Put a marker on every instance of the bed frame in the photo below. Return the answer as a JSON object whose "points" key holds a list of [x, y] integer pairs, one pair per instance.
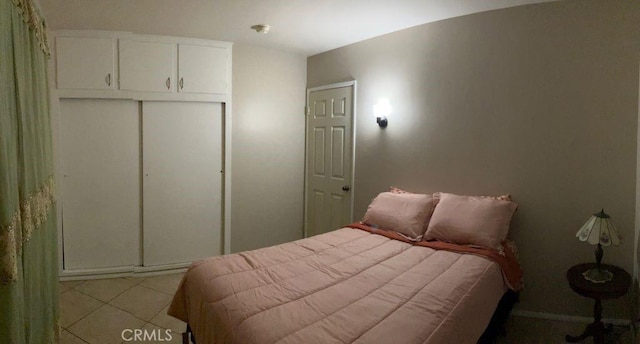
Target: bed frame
{"points": [[497, 323], [494, 329]]}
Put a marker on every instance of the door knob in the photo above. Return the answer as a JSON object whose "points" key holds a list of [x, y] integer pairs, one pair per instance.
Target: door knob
{"points": [[346, 188]]}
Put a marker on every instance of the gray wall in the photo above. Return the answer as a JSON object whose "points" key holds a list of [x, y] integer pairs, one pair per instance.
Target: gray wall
{"points": [[538, 101], [267, 147]]}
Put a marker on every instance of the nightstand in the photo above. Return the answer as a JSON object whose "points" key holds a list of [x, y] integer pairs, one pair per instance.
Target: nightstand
{"points": [[615, 288]]}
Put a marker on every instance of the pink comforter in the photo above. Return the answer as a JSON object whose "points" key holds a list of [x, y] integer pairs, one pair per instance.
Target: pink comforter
{"points": [[345, 286]]}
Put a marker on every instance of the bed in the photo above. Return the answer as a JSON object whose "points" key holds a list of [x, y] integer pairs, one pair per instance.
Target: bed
{"points": [[357, 284]]}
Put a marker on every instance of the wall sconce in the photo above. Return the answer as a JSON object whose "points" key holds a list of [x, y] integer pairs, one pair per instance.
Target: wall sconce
{"points": [[381, 110]]}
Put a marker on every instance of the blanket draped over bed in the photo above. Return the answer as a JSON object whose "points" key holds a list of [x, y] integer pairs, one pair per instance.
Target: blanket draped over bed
{"points": [[346, 286]]}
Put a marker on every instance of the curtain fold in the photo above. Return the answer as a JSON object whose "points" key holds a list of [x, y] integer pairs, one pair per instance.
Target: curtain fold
{"points": [[28, 234]]}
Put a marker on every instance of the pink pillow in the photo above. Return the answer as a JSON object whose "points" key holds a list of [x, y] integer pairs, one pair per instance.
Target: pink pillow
{"points": [[405, 213], [470, 220]]}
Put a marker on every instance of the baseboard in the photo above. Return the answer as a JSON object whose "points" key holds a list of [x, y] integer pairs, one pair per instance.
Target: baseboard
{"points": [[82, 274], [129, 271], [570, 318], [160, 269]]}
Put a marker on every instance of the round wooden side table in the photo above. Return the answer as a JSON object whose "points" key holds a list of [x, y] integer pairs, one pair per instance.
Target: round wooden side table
{"points": [[615, 288]]}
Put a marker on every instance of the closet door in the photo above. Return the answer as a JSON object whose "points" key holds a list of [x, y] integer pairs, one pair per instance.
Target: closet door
{"points": [[182, 181], [100, 165]]}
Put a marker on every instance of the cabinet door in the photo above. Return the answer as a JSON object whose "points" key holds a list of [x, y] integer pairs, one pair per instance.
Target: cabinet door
{"points": [[203, 69], [100, 162], [85, 63], [182, 181], [147, 66]]}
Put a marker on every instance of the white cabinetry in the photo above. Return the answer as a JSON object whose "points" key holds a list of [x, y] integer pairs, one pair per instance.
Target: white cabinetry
{"points": [[182, 181], [203, 69], [122, 65], [105, 212], [100, 167], [147, 66], [86, 63], [140, 155]]}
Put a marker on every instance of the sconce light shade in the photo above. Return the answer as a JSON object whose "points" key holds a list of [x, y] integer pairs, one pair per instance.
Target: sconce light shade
{"points": [[381, 110]]}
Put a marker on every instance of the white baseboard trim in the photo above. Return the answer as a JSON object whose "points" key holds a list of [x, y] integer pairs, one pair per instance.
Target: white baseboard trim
{"points": [[81, 274], [570, 318], [128, 271], [161, 269]]}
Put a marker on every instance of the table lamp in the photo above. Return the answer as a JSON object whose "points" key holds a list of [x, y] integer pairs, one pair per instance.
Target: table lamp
{"points": [[599, 230]]}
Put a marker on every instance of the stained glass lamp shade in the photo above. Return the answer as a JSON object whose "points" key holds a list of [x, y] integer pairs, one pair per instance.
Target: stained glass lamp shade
{"points": [[599, 230]]}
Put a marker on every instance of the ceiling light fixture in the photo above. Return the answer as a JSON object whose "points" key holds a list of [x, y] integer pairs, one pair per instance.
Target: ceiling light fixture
{"points": [[261, 28]]}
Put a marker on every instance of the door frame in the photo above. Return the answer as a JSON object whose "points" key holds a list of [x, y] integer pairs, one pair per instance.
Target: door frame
{"points": [[354, 90]]}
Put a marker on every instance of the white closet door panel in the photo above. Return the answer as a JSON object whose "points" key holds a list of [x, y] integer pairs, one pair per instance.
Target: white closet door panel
{"points": [[100, 162], [147, 66], [85, 63], [182, 189], [203, 69]]}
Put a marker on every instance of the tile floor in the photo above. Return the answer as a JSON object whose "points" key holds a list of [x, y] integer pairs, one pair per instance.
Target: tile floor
{"points": [[97, 311]]}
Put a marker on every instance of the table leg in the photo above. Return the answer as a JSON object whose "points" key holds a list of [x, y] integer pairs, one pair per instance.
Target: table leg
{"points": [[595, 329]]}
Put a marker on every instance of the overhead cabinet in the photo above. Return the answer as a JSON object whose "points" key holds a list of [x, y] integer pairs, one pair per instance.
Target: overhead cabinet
{"points": [[203, 69], [86, 63], [135, 65], [147, 66], [151, 66]]}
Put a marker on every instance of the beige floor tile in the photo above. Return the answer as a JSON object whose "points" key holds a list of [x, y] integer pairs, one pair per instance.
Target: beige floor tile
{"points": [[135, 280], [70, 284], [68, 338], [74, 305], [62, 287], [165, 283], [105, 289], [105, 326], [142, 302], [166, 321]]}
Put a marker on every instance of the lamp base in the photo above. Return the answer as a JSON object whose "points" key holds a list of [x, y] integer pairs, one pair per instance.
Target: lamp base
{"points": [[598, 275]]}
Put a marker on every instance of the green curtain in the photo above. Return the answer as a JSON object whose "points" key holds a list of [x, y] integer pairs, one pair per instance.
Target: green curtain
{"points": [[28, 235]]}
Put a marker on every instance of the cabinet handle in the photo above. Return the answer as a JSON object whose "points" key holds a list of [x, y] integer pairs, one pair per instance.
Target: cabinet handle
{"points": [[181, 83], [108, 79], [168, 83]]}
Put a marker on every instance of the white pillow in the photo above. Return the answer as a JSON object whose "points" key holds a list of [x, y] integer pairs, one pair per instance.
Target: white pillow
{"points": [[405, 213]]}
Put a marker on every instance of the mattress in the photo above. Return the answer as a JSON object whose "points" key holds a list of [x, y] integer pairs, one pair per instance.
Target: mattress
{"points": [[345, 286]]}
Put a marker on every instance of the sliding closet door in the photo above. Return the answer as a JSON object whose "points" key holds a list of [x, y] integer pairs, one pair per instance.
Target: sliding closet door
{"points": [[100, 191], [182, 181]]}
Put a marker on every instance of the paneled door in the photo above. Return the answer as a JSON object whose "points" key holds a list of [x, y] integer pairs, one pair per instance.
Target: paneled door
{"points": [[329, 159], [182, 181]]}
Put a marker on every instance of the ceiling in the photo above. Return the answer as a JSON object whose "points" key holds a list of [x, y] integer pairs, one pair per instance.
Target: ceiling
{"points": [[307, 27]]}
